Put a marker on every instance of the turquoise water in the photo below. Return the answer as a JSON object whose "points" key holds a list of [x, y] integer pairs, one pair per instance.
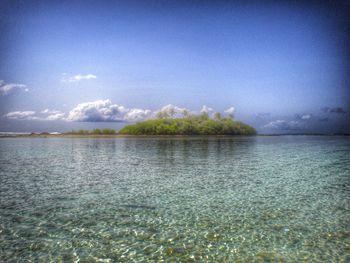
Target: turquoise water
{"points": [[246, 199]]}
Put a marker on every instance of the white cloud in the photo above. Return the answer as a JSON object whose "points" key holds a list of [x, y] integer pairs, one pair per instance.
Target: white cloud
{"points": [[105, 111], [55, 117], [8, 88], [21, 115], [171, 111], [206, 110], [96, 111], [230, 111], [45, 115], [306, 116], [275, 124], [283, 125], [52, 115], [47, 111], [78, 77], [303, 117], [100, 110], [137, 115]]}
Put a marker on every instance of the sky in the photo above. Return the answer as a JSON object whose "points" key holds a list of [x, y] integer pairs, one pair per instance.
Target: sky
{"points": [[281, 67]]}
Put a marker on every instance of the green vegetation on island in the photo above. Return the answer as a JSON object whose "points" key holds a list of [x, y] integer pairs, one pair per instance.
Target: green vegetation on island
{"points": [[190, 125]]}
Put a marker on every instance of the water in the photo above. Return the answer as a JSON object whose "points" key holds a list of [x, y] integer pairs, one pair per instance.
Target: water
{"points": [[247, 199]]}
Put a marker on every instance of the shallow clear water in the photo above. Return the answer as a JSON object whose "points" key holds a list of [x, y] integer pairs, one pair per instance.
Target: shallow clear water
{"points": [[247, 199]]}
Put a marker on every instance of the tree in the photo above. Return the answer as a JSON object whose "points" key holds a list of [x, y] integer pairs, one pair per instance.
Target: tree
{"points": [[200, 125], [96, 131], [204, 115], [217, 116], [185, 113], [162, 115], [171, 112]]}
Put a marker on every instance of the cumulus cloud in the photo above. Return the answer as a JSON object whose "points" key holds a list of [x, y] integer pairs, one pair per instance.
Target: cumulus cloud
{"points": [[137, 114], [306, 116], [21, 115], [51, 115], [171, 111], [100, 110], [55, 117], [105, 111], [230, 111], [78, 77], [333, 110], [10, 87], [96, 111]]}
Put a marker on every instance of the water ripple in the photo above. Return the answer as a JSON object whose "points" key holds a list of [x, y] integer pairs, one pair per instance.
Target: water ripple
{"points": [[247, 199]]}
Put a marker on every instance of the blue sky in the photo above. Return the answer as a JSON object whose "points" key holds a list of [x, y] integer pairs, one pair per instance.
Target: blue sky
{"points": [[86, 64]]}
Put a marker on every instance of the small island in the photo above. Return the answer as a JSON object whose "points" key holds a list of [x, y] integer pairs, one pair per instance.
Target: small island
{"points": [[190, 125]]}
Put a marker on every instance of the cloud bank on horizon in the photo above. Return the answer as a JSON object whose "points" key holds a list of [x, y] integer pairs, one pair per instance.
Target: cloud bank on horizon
{"points": [[308, 122], [106, 111]]}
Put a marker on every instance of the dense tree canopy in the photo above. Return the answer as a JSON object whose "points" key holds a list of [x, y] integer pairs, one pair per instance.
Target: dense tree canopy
{"points": [[193, 125]]}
